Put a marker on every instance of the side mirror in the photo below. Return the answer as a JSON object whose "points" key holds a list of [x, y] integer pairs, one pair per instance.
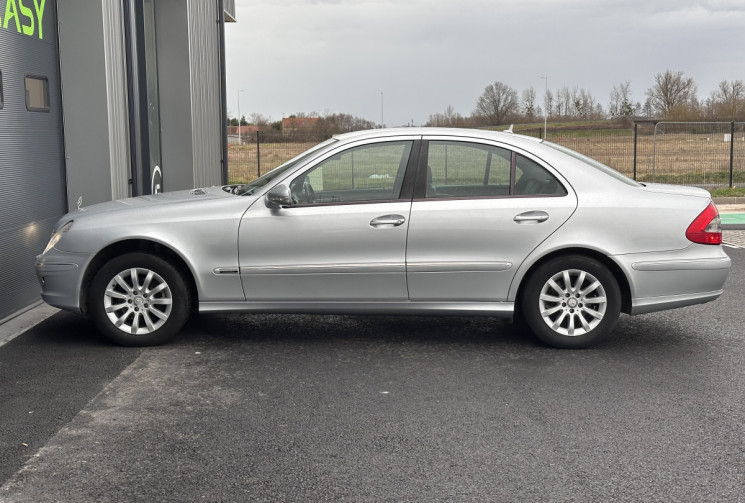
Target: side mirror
{"points": [[278, 197]]}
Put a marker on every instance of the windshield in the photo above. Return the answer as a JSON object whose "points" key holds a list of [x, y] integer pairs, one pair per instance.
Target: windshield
{"points": [[595, 164], [264, 179]]}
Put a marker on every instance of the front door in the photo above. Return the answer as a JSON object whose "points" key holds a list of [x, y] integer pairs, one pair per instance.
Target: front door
{"points": [[344, 237]]}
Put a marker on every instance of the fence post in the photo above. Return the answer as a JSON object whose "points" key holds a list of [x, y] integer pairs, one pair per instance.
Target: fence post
{"points": [[636, 134], [258, 155], [540, 133], [731, 150]]}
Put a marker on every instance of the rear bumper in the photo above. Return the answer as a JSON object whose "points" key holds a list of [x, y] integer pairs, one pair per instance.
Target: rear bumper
{"points": [[652, 304], [669, 280]]}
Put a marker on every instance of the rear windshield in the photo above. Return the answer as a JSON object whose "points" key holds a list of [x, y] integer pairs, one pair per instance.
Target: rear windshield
{"points": [[595, 164]]}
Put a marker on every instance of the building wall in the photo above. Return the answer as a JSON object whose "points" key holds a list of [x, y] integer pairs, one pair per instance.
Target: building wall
{"points": [[50, 160], [171, 34], [82, 54], [207, 119], [32, 168], [117, 104], [189, 80]]}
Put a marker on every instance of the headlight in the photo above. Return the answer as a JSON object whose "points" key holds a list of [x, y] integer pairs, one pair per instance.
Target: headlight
{"points": [[56, 236]]}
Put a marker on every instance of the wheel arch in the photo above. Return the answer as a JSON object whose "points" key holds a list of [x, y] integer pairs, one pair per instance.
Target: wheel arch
{"points": [[135, 245], [613, 267]]}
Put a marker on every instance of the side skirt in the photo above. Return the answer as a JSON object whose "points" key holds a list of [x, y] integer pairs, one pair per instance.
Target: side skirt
{"points": [[499, 309]]}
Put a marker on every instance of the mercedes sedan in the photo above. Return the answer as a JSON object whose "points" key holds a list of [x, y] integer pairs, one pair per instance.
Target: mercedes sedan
{"points": [[401, 221]]}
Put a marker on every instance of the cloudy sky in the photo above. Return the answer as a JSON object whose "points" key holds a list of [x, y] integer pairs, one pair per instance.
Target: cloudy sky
{"points": [[325, 56]]}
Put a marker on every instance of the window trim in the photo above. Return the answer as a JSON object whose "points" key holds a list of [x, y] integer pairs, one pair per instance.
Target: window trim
{"points": [[47, 97], [407, 186], [420, 194], [2, 96]]}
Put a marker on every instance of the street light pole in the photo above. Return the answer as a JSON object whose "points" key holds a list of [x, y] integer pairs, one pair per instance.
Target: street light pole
{"points": [[545, 109], [382, 122], [240, 138]]}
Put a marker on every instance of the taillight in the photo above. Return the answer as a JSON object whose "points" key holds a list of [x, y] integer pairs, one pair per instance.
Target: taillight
{"points": [[707, 228]]}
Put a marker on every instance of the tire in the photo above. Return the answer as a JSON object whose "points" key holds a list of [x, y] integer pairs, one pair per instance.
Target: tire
{"points": [[138, 299], [571, 302]]}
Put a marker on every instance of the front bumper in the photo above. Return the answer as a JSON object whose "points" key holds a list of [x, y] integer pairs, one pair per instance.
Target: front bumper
{"points": [[60, 275]]}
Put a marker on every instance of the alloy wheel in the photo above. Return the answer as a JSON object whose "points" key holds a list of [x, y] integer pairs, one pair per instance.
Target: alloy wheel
{"points": [[572, 302], [138, 301]]}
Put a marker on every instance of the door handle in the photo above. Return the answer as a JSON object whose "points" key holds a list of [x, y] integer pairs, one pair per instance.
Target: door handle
{"points": [[388, 221], [531, 216]]}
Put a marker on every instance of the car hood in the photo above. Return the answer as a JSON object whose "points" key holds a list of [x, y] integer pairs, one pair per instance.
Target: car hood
{"points": [[155, 200], [676, 189]]}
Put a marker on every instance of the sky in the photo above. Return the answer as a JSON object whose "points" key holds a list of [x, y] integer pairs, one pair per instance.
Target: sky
{"points": [[400, 61]]}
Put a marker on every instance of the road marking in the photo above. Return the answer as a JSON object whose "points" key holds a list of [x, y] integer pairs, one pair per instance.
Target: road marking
{"points": [[734, 239]]}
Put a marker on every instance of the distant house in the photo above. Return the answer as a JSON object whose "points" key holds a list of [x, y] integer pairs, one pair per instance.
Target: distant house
{"points": [[244, 130], [299, 125], [246, 134]]}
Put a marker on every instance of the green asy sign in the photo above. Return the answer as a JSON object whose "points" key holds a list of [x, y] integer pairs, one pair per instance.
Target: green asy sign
{"points": [[24, 16]]}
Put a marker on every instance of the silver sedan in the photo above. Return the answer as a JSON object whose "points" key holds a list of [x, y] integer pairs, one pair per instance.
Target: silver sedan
{"points": [[399, 221]]}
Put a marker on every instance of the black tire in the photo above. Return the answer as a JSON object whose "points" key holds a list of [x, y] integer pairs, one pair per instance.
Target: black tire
{"points": [[138, 299], [571, 302]]}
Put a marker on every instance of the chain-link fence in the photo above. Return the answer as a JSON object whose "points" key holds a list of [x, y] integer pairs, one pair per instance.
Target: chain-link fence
{"points": [[706, 154], [251, 155]]}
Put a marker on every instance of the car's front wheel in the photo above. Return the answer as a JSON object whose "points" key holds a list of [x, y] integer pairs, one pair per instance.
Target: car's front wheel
{"points": [[138, 299], [571, 302]]}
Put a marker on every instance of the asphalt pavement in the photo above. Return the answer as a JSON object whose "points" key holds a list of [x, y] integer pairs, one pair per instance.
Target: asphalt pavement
{"points": [[362, 408]]}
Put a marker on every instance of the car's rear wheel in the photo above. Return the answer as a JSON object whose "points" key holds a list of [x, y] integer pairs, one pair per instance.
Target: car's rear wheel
{"points": [[139, 299], [571, 302]]}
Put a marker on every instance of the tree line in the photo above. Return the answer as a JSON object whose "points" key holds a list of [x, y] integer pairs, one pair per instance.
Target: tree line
{"points": [[326, 125], [673, 96]]}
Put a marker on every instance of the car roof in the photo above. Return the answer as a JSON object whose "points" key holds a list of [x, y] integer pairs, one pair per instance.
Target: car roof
{"points": [[486, 134]]}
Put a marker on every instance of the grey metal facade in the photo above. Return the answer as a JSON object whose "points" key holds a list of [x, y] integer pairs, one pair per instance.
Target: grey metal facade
{"points": [[32, 168], [189, 79], [87, 147]]}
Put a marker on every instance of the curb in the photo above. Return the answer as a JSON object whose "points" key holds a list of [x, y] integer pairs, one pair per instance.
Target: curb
{"points": [[729, 200], [17, 324]]}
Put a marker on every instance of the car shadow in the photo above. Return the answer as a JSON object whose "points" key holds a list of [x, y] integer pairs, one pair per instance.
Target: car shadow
{"points": [[632, 334]]}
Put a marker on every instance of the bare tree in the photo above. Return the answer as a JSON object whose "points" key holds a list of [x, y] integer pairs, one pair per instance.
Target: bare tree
{"points": [[563, 102], [498, 102], [449, 118], [548, 102], [671, 90], [620, 100], [728, 101], [259, 120], [528, 103]]}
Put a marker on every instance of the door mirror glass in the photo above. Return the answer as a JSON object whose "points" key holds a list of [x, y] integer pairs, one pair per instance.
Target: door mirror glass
{"points": [[278, 197]]}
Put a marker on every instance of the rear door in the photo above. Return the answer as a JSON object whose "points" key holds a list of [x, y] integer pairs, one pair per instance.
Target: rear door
{"points": [[479, 209]]}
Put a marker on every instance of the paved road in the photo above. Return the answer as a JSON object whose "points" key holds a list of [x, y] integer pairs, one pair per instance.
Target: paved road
{"points": [[328, 408]]}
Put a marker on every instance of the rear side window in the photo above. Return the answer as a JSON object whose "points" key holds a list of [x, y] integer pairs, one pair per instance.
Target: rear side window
{"points": [[532, 179], [37, 94], [460, 169]]}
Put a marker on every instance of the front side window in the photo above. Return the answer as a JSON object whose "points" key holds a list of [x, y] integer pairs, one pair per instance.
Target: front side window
{"points": [[37, 94], [360, 174]]}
